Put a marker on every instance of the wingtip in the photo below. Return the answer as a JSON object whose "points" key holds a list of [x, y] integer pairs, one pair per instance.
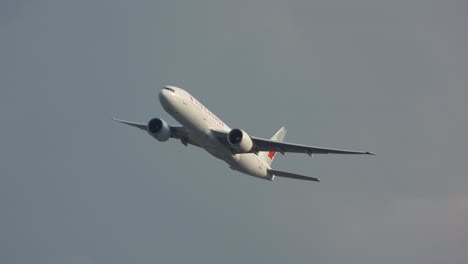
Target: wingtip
{"points": [[118, 120], [370, 153]]}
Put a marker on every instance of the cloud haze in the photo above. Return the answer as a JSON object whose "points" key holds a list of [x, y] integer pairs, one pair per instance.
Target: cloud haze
{"points": [[382, 76]]}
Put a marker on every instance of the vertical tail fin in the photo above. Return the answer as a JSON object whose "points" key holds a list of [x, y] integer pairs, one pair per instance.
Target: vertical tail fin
{"points": [[269, 156]]}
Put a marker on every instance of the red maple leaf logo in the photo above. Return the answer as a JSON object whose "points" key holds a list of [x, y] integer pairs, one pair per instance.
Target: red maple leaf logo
{"points": [[271, 154]]}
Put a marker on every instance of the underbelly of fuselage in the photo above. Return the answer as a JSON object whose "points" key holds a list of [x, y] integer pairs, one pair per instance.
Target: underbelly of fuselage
{"points": [[199, 129]]}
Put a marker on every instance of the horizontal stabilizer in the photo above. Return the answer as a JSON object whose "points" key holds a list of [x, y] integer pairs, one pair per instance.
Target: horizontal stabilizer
{"points": [[289, 175]]}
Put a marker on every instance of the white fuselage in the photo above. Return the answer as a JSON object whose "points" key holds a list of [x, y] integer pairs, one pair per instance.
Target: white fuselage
{"points": [[199, 122]]}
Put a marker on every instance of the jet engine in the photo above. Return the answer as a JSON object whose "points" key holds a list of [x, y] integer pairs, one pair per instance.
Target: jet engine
{"points": [[159, 129], [240, 140]]}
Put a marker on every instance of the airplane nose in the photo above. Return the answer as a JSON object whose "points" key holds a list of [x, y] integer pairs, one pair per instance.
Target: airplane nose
{"points": [[166, 94], [162, 95]]}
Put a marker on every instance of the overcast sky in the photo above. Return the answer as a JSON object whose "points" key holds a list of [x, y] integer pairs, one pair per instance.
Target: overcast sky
{"points": [[383, 76]]}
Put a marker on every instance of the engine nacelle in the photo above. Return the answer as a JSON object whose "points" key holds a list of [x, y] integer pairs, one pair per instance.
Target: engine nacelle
{"points": [[240, 140], [159, 129]]}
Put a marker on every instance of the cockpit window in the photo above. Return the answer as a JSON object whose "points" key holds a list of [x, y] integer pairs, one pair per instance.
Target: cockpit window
{"points": [[170, 89]]}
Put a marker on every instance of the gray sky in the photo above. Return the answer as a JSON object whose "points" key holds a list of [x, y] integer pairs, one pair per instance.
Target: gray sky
{"points": [[383, 76]]}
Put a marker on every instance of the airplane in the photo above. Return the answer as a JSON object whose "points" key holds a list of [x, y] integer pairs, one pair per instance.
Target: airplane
{"points": [[243, 153]]}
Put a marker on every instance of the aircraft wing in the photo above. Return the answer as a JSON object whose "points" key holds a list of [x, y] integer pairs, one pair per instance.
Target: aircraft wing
{"points": [[177, 132], [262, 144], [133, 124]]}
